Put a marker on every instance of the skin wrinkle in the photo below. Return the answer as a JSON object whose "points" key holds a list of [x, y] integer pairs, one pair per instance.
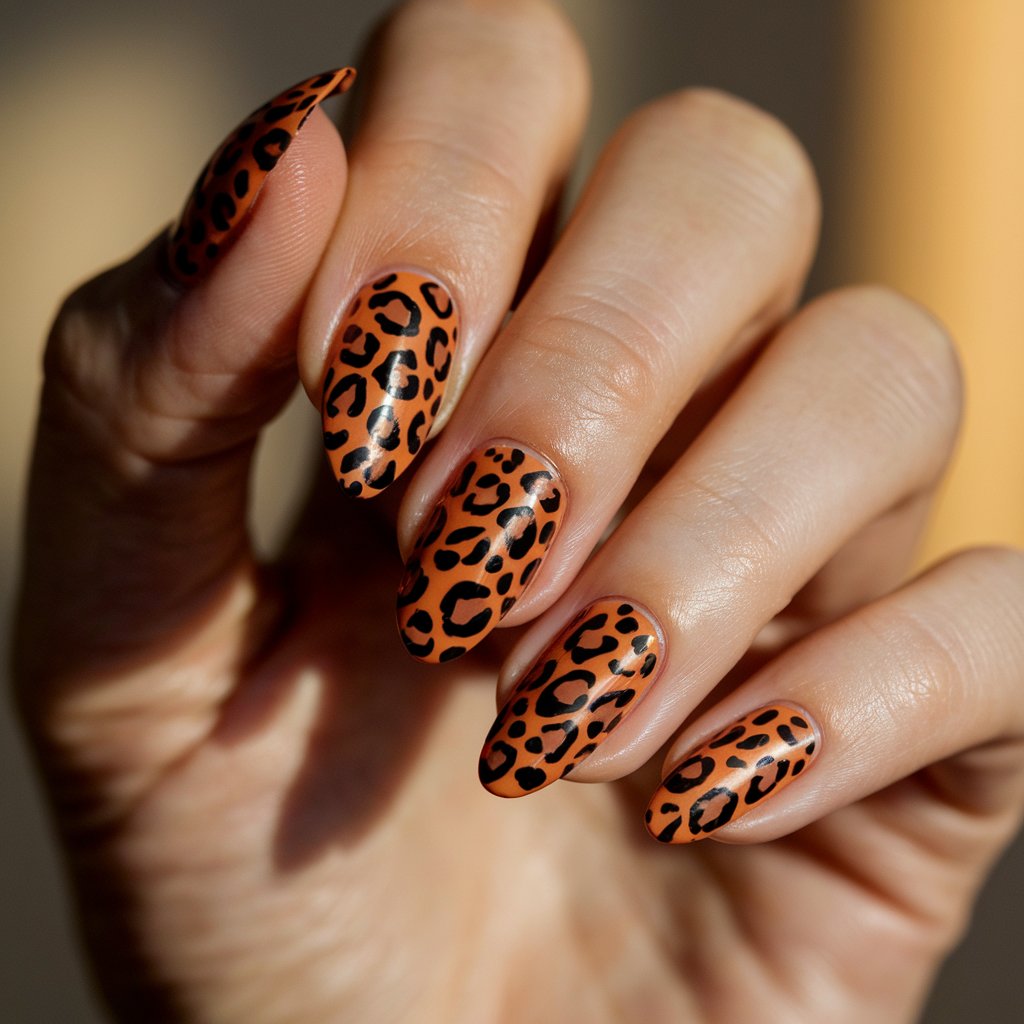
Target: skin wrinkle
{"points": [[325, 850]]}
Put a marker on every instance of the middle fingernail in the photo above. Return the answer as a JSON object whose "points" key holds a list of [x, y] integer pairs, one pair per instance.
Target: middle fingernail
{"points": [[389, 363], [482, 545], [575, 694]]}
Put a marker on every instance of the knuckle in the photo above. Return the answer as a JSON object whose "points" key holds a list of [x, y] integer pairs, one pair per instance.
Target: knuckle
{"points": [[998, 570], [613, 350], [749, 151], [911, 356], [535, 32], [83, 347], [750, 529]]}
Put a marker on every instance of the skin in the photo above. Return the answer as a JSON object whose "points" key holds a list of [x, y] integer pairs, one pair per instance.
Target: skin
{"points": [[271, 813]]}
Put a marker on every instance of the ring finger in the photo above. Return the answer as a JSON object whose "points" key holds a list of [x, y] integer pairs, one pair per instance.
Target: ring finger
{"points": [[851, 411]]}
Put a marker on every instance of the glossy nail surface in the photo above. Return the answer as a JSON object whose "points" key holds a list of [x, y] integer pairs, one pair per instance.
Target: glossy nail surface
{"points": [[482, 545], [576, 693], [386, 375], [732, 773], [232, 178]]}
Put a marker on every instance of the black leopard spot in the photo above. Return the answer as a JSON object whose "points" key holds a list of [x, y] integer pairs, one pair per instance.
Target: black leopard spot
{"points": [[269, 147], [508, 758], [572, 733], [222, 209], [384, 417], [464, 533], [755, 792], [482, 508], [445, 559], [548, 703], [430, 292], [417, 424], [464, 590], [518, 546], [393, 327], [371, 346], [730, 737], [679, 782], [700, 805], [357, 383], [759, 739], [390, 371], [530, 778]]}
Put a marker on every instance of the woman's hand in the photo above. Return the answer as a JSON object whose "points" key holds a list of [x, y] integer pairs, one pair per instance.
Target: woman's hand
{"points": [[270, 810]]}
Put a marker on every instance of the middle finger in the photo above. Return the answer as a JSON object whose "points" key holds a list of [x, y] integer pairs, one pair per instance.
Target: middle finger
{"points": [[695, 231]]}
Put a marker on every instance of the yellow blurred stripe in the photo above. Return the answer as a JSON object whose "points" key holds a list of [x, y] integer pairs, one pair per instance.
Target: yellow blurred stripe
{"points": [[935, 207]]}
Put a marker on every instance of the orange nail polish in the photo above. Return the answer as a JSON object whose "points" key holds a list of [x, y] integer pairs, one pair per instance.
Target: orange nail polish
{"points": [[732, 773], [483, 544], [385, 378], [232, 178], [577, 692]]}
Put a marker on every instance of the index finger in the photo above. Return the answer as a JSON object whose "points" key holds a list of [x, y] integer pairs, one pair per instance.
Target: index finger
{"points": [[473, 116]]}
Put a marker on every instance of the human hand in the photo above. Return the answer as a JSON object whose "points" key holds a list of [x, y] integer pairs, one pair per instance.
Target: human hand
{"points": [[270, 811]]}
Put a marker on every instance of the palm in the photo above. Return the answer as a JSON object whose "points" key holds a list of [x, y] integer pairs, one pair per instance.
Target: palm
{"points": [[319, 848]]}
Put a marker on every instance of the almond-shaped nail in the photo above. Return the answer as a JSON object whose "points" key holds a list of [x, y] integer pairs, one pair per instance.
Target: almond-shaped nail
{"points": [[482, 545], [386, 374], [576, 693], [232, 178], [755, 757]]}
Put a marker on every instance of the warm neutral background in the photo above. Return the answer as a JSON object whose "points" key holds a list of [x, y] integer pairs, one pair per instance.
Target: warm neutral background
{"points": [[913, 111]]}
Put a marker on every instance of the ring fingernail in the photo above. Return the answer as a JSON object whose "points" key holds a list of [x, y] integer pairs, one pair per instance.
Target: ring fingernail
{"points": [[482, 545], [728, 776], [575, 694], [232, 178], [386, 375]]}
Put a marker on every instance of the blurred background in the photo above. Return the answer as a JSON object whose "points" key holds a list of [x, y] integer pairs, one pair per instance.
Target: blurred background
{"points": [[913, 112]]}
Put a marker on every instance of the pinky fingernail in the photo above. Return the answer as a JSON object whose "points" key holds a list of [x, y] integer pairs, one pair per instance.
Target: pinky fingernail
{"points": [[719, 782], [232, 178]]}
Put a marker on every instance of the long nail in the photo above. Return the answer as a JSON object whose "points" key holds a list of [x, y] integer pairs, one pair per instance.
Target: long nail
{"points": [[483, 544], [732, 773], [577, 692], [232, 178], [386, 377]]}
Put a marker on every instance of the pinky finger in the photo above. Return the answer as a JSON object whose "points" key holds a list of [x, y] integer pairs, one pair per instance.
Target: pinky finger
{"points": [[926, 678]]}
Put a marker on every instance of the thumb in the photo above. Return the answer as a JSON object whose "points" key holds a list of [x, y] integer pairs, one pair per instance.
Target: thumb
{"points": [[159, 375]]}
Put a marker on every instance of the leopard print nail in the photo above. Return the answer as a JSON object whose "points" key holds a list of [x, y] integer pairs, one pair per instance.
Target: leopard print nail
{"points": [[577, 692], [386, 378], [728, 776], [232, 178], [483, 544]]}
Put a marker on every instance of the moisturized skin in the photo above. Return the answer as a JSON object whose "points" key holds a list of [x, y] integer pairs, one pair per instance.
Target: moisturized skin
{"points": [[385, 379], [483, 544], [232, 178], [577, 692], [270, 812], [757, 756]]}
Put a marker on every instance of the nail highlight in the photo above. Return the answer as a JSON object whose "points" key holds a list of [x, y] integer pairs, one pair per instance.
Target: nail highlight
{"points": [[575, 694], [386, 377], [483, 544], [232, 178], [732, 773]]}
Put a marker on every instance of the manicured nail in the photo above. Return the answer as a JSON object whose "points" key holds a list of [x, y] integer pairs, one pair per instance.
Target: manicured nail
{"points": [[483, 544], [732, 773], [385, 379], [576, 693], [229, 183]]}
